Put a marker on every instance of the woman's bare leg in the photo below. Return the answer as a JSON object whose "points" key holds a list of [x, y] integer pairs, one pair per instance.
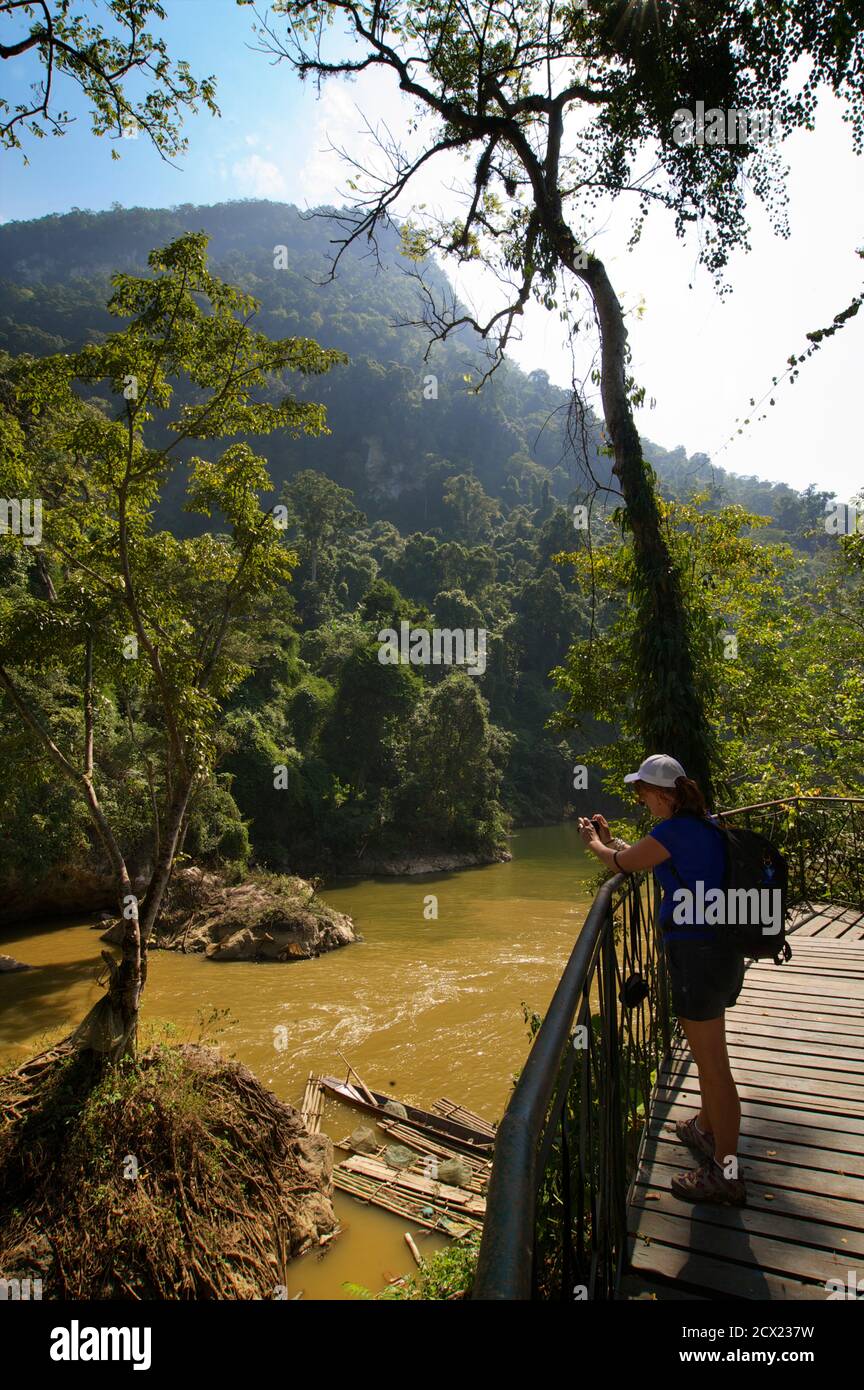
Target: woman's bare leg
{"points": [[721, 1106]]}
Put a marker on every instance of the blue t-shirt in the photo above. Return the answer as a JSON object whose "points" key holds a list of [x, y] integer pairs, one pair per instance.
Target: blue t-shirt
{"points": [[697, 852]]}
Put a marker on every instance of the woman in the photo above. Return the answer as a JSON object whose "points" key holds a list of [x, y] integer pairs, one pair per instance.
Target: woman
{"points": [[706, 972]]}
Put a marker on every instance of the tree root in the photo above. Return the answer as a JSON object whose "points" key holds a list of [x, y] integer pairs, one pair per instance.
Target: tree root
{"points": [[216, 1208]]}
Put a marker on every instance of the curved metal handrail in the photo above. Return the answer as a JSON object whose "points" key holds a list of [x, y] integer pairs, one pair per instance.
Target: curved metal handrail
{"points": [[504, 1262], [543, 1120]]}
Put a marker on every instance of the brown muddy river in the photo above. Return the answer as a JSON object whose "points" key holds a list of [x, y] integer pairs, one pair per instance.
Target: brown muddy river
{"points": [[422, 1008]]}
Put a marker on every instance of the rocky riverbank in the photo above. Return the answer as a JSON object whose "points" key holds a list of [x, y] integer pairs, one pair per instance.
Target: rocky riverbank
{"points": [[416, 862], [266, 917]]}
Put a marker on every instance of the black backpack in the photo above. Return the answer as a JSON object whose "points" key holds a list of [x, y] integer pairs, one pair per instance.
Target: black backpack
{"points": [[753, 862]]}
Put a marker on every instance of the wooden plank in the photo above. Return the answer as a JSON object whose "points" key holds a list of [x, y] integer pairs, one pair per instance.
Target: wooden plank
{"points": [[814, 927], [835, 951], [783, 1105], [777, 1090], [785, 1005], [831, 947], [831, 967], [792, 1038], [842, 1215], [811, 980], [635, 1287], [779, 1071], [809, 1067], [837, 929], [771, 1150], [771, 1174], [783, 1219], [799, 1262], [813, 983], [778, 1107], [758, 1130], [749, 1006], [800, 1044], [810, 1031], [820, 956], [716, 1276]]}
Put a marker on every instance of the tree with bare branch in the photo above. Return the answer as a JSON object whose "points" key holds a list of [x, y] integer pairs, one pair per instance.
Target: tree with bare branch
{"points": [[567, 112]]}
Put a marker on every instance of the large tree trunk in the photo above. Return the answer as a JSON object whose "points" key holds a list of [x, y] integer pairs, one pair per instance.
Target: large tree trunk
{"points": [[672, 714]]}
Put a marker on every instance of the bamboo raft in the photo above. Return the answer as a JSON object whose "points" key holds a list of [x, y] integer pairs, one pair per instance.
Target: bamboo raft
{"points": [[424, 1211], [449, 1110], [480, 1167], [447, 1131], [313, 1104]]}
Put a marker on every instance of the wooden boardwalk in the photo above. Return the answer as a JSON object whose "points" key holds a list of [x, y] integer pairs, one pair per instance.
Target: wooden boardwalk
{"points": [[796, 1044]]}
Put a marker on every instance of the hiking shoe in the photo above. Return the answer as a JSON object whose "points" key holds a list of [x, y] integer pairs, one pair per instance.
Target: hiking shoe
{"points": [[707, 1184], [690, 1134]]}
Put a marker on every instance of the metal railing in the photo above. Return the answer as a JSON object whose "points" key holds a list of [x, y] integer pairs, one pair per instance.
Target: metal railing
{"points": [[565, 1150], [823, 841]]}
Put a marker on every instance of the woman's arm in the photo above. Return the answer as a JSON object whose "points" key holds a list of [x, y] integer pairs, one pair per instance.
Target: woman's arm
{"points": [[643, 855]]}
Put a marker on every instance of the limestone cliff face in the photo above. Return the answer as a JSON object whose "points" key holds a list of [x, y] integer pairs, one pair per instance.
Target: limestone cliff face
{"points": [[387, 477]]}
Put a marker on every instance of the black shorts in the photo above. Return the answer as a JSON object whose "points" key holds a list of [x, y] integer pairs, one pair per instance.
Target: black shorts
{"points": [[706, 977]]}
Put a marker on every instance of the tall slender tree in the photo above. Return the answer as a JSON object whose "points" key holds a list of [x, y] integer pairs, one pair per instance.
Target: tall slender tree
{"points": [[126, 607], [560, 108]]}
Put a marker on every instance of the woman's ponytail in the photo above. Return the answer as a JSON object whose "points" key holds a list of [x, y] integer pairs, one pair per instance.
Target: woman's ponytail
{"points": [[689, 800]]}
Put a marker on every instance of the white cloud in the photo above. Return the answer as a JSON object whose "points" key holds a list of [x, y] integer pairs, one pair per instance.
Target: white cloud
{"points": [[258, 178], [702, 357], [343, 115]]}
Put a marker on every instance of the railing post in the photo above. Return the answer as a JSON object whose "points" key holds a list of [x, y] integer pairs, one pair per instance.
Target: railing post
{"points": [[802, 872], [616, 1121]]}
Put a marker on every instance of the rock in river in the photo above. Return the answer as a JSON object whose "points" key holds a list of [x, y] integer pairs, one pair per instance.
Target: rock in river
{"points": [[8, 965], [267, 917]]}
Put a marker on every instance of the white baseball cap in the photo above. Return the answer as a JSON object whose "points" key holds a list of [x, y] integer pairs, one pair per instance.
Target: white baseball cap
{"points": [[660, 770]]}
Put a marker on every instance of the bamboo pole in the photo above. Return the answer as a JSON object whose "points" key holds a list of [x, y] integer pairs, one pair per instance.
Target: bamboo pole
{"points": [[449, 1110], [363, 1087]]}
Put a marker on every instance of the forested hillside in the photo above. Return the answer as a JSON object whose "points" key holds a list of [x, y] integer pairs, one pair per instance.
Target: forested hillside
{"points": [[423, 503], [388, 444]]}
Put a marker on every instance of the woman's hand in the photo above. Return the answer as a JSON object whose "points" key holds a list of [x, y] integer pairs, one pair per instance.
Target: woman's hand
{"points": [[588, 831], [601, 826]]}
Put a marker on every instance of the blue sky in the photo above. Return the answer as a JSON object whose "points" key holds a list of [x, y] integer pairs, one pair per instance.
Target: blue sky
{"points": [[700, 357]]}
